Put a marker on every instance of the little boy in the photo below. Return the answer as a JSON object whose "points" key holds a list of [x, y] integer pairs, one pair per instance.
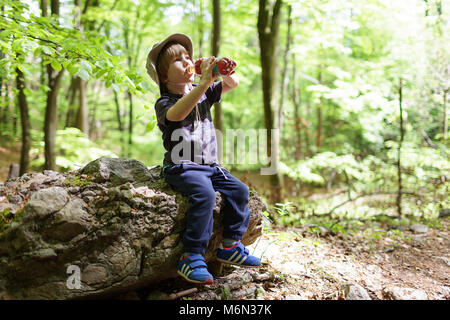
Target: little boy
{"points": [[190, 164]]}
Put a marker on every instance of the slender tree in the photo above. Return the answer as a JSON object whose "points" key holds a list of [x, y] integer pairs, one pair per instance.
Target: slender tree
{"points": [[295, 97], [268, 32], [25, 122], [319, 115], [200, 26], [51, 109], [128, 47], [399, 150], [445, 124], [284, 73], [215, 48], [82, 114]]}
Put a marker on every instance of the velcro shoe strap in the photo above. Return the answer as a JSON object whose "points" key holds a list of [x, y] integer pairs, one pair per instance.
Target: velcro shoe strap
{"points": [[198, 264], [243, 249]]}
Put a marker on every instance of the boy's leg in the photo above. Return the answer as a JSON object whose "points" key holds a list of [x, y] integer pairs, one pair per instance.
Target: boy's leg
{"points": [[235, 220], [194, 181], [236, 212]]}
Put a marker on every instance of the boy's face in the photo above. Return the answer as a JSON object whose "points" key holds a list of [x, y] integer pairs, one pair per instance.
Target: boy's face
{"points": [[179, 71]]}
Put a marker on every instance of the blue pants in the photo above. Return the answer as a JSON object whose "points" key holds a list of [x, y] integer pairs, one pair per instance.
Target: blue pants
{"points": [[200, 183]]}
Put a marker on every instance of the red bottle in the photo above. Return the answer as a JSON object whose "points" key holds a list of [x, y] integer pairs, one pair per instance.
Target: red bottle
{"points": [[224, 66]]}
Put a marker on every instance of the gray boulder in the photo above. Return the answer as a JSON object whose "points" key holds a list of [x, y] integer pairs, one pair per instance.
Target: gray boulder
{"points": [[354, 291], [418, 228], [111, 227]]}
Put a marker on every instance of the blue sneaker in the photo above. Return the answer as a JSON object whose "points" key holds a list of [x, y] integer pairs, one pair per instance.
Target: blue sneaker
{"points": [[237, 255], [194, 269]]}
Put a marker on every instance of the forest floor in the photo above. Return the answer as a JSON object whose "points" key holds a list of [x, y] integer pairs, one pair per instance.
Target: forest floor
{"points": [[298, 264]]}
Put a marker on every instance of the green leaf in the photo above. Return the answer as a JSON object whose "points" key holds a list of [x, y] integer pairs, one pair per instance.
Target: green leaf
{"points": [[150, 126], [100, 72], [83, 75], [37, 51], [26, 72], [86, 66], [56, 65], [73, 68], [47, 50], [130, 82]]}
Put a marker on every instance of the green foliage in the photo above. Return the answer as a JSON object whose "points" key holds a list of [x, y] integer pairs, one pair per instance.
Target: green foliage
{"points": [[79, 182], [318, 169], [26, 35], [5, 217], [284, 208], [73, 150]]}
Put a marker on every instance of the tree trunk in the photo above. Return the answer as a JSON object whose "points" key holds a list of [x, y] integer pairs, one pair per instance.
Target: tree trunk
{"points": [[319, 116], [51, 117], [71, 96], [297, 116], [445, 115], [130, 123], [119, 122], [25, 120], [215, 45], [51, 110], [129, 49], [7, 114], [308, 138], [118, 112], [268, 30], [319, 129], [82, 114], [284, 77], [44, 7], [199, 24], [399, 168]]}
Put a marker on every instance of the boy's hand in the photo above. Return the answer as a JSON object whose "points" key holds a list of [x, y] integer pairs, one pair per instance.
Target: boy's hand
{"points": [[207, 65], [226, 66]]}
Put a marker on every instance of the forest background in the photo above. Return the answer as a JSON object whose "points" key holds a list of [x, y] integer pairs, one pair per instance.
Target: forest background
{"points": [[358, 90]]}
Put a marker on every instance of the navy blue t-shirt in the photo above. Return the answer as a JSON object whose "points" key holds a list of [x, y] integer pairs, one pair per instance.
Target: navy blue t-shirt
{"points": [[192, 139]]}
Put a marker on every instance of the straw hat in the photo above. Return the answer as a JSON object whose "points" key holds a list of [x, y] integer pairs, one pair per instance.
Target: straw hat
{"points": [[152, 57]]}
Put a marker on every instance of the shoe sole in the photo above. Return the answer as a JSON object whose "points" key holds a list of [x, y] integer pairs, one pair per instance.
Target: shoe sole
{"points": [[207, 282], [236, 264]]}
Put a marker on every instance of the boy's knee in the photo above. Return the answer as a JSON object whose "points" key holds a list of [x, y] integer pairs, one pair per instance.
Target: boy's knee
{"points": [[242, 193], [208, 197]]}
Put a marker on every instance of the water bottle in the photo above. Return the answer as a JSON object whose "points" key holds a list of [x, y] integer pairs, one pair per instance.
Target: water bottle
{"points": [[223, 67]]}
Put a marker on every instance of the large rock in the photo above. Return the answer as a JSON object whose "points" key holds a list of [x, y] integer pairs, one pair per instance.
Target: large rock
{"points": [[112, 226], [354, 291]]}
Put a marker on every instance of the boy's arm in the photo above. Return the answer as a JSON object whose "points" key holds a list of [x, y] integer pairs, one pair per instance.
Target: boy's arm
{"points": [[184, 106], [229, 83]]}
